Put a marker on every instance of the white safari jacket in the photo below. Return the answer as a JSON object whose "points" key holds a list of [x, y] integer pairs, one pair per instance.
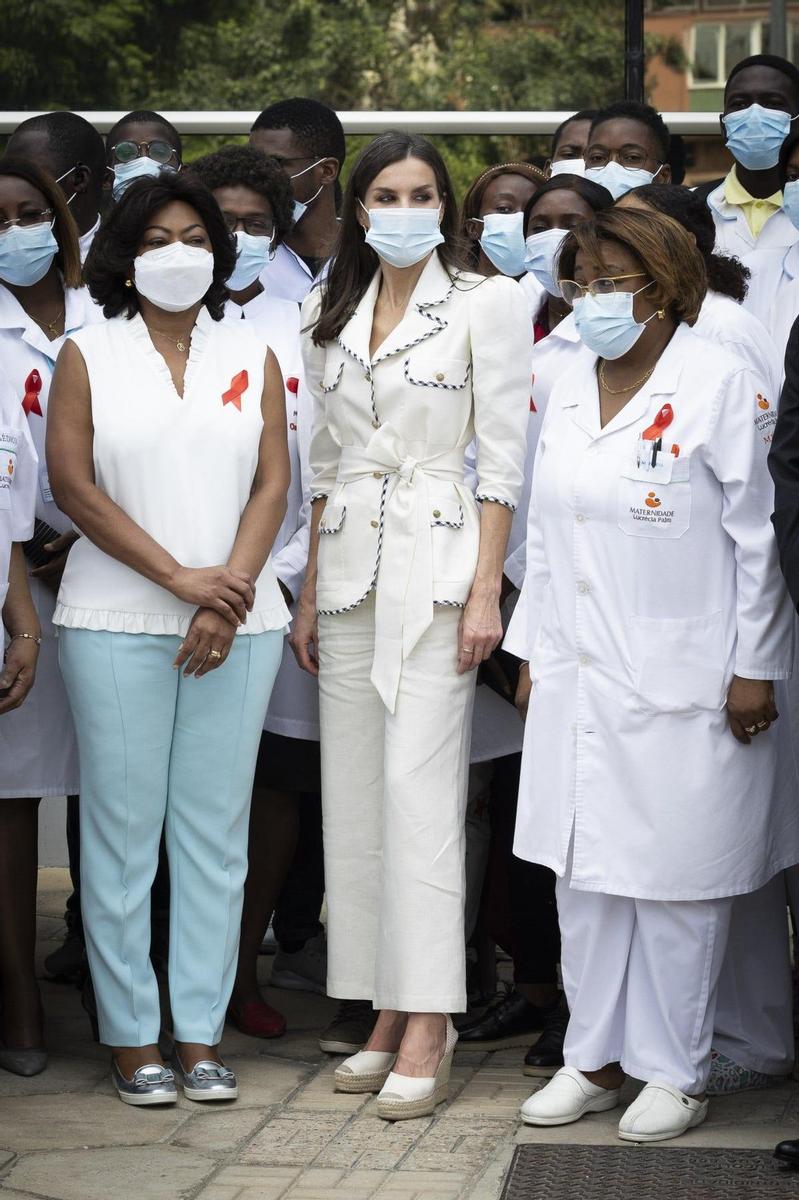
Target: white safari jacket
{"points": [[388, 449]]}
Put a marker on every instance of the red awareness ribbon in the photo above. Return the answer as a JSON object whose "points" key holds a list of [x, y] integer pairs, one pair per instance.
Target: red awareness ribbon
{"points": [[661, 422], [30, 402], [292, 384], [238, 385]]}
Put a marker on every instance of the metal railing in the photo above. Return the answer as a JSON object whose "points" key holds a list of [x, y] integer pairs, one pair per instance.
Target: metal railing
{"points": [[360, 122]]}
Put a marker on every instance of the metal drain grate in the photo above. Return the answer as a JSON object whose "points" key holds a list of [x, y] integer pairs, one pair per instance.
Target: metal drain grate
{"points": [[645, 1173]]}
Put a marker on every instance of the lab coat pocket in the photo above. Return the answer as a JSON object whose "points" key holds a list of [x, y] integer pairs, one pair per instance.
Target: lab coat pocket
{"points": [[447, 374], [655, 510], [679, 662]]}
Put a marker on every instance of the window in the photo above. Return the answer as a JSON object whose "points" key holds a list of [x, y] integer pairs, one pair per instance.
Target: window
{"points": [[716, 46]]}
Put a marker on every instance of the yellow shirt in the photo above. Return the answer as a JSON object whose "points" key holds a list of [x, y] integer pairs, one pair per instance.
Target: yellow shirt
{"points": [[757, 212]]}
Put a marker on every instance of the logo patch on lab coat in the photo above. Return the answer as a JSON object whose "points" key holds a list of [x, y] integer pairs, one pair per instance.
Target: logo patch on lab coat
{"points": [[765, 418]]}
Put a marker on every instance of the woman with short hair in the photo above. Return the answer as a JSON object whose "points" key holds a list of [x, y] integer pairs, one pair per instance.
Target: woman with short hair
{"points": [[652, 623], [168, 449]]}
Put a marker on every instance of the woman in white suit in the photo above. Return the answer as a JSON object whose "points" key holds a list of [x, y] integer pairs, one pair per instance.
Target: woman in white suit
{"points": [[407, 358]]}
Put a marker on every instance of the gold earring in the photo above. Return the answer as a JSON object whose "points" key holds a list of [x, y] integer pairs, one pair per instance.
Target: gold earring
{"points": [[661, 314], [128, 283]]}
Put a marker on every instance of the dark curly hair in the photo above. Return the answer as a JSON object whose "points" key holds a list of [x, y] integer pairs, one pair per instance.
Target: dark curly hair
{"points": [[116, 243], [725, 274], [239, 166]]}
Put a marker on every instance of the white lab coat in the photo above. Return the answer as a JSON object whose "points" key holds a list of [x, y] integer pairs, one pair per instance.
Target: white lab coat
{"points": [[294, 703], [726, 323], [785, 298], [734, 236], [288, 277], [38, 755], [641, 600]]}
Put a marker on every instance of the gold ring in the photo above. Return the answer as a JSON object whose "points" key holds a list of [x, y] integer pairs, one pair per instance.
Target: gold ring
{"points": [[214, 653], [468, 649], [751, 728]]}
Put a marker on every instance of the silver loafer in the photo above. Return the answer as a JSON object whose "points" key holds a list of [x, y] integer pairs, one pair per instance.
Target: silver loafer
{"points": [[208, 1080], [151, 1084]]}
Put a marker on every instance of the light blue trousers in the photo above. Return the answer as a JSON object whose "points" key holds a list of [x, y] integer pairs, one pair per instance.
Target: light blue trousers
{"points": [[160, 751]]}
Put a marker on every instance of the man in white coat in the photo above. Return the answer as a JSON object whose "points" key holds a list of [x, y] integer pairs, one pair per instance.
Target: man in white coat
{"points": [[761, 100]]}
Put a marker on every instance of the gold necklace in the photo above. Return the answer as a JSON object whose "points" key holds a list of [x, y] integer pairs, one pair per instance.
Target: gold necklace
{"points": [[620, 391], [180, 343], [51, 326]]}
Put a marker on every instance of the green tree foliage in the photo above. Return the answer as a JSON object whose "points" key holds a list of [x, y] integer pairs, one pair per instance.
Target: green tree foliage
{"points": [[353, 54]]}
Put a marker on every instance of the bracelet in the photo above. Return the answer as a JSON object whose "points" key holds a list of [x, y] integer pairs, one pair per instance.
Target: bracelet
{"points": [[30, 636]]}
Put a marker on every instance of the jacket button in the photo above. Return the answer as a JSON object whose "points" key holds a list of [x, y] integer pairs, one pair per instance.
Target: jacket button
{"points": [[436, 512], [377, 474], [374, 524], [440, 376]]}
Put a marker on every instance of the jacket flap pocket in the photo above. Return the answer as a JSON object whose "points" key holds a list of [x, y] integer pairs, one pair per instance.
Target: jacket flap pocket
{"points": [[427, 370], [446, 512], [334, 368], [332, 518]]}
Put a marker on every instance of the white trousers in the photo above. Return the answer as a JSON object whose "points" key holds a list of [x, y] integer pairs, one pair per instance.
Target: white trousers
{"points": [[641, 978], [394, 801], [754, 1013]]}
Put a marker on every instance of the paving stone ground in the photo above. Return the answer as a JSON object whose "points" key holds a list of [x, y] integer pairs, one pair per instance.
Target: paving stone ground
{"points": [[65, 1136]]}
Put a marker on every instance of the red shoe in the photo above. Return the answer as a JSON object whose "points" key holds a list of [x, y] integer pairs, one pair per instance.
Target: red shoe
{"points": [[258, 1019]]}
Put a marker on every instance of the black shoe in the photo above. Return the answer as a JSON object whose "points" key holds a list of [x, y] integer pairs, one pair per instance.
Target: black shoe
{"points": [[350, 1029], [546, 1056], [787, 1153], [68, 962], [512, 1016]]}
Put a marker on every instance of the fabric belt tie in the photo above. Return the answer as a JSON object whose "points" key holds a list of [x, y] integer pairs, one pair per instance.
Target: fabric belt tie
{"points": [[404, 593]]}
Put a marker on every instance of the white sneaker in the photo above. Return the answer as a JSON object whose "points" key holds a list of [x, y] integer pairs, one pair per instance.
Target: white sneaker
{"points": [[567, 1097], [660, 1112], [303, 970]]}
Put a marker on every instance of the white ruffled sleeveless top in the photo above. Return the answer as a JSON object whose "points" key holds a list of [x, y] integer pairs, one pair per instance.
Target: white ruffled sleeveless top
{"points": [[181, 468]]}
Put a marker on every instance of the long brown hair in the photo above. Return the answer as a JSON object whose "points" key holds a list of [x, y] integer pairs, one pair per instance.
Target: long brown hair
{"points": [[65, 231], [666, 252], [354, 262]]}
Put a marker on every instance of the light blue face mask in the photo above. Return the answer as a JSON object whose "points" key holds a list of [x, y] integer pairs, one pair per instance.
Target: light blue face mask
{"points": [[503, 241], [27, 253], [618, 179], [606, 324], [403, 236], [790, 201], [540, 256], [139, 168], [755, 136], [253, 255], [301, 206]]}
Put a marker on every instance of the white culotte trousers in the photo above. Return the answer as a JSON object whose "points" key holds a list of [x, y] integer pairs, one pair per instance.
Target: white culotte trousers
{"points": [[641, 978], [394, 800]]}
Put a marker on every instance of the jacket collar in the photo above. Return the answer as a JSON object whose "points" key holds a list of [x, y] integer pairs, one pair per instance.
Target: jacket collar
{"points": [[419, 323], [583, 396]]}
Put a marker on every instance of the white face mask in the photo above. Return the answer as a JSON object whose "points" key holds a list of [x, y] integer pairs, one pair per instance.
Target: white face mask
{"points": [[403, 236], [618, 179], [174, 277], [567, 166], [541, 255]]}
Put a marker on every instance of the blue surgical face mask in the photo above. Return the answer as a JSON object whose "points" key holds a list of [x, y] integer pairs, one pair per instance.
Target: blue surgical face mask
{"points": [[138, 168], [403, 236], [301, 206], [253, 255], [790, 201], [502, 241], [606, 324], [26, 254], [755, 136], [618, 179], [541, 255]]}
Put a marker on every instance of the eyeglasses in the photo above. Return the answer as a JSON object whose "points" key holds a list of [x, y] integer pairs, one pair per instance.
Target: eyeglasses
{"points": [[255, 226], [286, 162], [26, 220], [631, 157], [158, 151], [604, 286]]}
